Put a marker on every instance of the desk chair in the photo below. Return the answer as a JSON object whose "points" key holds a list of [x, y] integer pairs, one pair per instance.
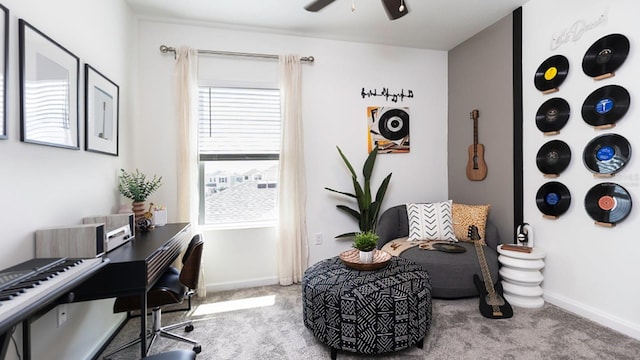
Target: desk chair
{"points": [[173, 355], [172, 288]]}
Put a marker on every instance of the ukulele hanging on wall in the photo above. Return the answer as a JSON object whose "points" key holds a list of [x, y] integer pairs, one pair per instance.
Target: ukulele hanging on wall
{"points": [[476, 167]]}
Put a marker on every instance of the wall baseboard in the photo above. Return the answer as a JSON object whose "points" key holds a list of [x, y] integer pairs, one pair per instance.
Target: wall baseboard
{"points": [[596, 315], [233, 285]]}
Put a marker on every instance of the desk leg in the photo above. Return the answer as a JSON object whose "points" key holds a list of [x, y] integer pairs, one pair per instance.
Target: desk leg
{"points": [[143, 325]]}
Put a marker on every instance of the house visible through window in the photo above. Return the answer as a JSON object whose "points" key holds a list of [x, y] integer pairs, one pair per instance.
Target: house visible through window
{"points": [[239, 145]]}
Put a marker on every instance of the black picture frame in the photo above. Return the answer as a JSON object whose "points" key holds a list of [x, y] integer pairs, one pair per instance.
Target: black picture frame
{"points": [[49, 88], [4, 70], [101, 112]]}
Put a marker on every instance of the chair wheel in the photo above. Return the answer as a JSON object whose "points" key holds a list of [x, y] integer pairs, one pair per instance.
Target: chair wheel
{"points": [[197, 349], [188, 328]]}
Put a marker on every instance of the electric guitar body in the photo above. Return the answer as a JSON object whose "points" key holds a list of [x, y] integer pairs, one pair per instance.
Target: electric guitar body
{"points": [[476, 166], [492, 305]]}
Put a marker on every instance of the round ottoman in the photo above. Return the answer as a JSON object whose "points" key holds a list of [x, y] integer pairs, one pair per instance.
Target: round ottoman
{"points": [[369, 312]]}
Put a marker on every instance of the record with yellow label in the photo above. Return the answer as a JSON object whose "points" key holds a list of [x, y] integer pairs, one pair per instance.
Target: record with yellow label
{"points": [[551, 73]]}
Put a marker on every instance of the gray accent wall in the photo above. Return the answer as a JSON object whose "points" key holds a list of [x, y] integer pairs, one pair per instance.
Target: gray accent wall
{"points": [[480, 77]]}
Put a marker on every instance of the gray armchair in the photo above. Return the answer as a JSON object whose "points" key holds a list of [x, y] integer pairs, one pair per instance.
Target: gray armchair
{"points": [[451, 274]]}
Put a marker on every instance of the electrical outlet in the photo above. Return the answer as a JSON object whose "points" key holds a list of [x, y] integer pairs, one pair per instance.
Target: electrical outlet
{"points": [[318, 238], [62, 314]]}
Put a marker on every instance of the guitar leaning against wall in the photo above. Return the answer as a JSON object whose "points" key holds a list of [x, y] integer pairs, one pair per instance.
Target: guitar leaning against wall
{"points": [[476, 166]]}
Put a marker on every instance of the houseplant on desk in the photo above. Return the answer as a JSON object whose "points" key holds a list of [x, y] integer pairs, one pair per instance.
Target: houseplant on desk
{"points": [[365, 242], [137, 187]]}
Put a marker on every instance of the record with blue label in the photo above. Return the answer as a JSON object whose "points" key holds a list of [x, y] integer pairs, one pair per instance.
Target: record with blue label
{"points": [[607, 154], [606, 105], [553, 157], [605, 55], [608, 203], [551, 73], [553, 115], [553, 198]]}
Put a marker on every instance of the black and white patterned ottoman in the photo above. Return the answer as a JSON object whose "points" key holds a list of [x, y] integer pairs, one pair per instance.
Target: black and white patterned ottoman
{"points": [[369, 312]]}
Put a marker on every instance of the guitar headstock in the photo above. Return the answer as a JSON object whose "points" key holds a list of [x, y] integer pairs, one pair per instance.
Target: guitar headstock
{"points": [[472, 233], [474, 114]]}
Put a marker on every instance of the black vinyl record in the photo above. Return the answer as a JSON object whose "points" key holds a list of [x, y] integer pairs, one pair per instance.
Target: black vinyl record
{"points": [[553, 157], [553, 198], [606, 105], [551, 73], [394, 124], [605, 55], [608, 203], [553, 115], [607, 154]]}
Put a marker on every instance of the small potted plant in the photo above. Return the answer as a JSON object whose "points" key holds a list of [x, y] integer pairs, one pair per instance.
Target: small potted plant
{"points": [[366, 242], [137, 187]]}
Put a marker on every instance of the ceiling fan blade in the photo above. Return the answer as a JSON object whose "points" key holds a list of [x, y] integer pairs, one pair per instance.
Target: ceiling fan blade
{"points": [[392, 7], [318, 5]]}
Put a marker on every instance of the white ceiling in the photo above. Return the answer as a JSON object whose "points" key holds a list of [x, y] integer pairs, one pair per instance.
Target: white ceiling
{"points": [[430, 24]]}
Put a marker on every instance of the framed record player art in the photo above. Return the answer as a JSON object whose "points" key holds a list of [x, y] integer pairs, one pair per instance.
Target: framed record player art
{"points": [[388, 128]]}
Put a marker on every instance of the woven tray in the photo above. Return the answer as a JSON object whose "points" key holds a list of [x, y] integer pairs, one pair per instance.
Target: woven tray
{"points": [[351, 258]]}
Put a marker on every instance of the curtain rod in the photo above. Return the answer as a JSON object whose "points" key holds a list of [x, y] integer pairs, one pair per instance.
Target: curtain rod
{"points": [[165, 49]]}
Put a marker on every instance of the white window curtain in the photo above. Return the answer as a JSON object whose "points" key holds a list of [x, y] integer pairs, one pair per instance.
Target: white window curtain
{"points": [[292, 229], [187, 85]]}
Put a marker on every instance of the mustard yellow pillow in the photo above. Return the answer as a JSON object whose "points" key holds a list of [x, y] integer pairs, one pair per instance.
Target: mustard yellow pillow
{"points": [[465, 215]]}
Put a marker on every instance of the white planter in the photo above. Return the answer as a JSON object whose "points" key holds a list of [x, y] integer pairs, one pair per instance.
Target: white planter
{"points": [[366, 257]]}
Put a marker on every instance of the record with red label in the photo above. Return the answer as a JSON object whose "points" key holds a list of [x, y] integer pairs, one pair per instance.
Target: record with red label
{"points": [[607, 154], [553, 157], [553, 115], [608, 203], [605, 55], [551, 73], [606, 105], [553, 198]]}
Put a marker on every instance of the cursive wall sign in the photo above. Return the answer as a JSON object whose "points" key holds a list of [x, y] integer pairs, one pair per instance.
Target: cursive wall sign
{"points": [[386, 94], [574, 32]]}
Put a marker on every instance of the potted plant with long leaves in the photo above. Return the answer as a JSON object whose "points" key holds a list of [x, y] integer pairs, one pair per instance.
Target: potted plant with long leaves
{"points": [[368, 208], [137, 187]]}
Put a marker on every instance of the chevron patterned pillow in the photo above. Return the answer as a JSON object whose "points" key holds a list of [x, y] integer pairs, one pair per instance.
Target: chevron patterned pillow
{"points": [[430, 221]]}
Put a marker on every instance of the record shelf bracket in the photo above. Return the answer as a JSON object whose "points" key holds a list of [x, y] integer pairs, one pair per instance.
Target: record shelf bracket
{"points": [[551, 133], [603, 176], [550, 217], [604, 76], [604, 127], [551, 175], [604, 224], [550, 91]]}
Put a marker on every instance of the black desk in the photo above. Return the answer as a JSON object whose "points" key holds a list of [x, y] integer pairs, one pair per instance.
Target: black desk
{"points": [[135, 267]]}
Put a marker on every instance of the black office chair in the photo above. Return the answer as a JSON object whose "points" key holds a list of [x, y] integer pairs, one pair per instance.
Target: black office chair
{"points": [[172, 288], [173, 355]]}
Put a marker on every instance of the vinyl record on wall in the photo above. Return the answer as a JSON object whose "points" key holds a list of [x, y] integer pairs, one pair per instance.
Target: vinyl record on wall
{"points": [[553, 157], [606, 105], [607, 154], [608, 203], [553, 115], [553, 198], [551, 73], [605, 55]]}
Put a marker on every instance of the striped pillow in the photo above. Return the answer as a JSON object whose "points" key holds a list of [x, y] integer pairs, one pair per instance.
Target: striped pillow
{"points": [[430, 221]]}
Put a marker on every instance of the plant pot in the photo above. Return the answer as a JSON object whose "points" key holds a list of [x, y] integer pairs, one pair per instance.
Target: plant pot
{"points": [[138, 209], [366, 257]]}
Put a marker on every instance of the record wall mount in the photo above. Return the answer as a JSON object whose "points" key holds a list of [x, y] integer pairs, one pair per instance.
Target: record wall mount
{"points": [[553, 115], [605, 56], [553, 199], [608, 203], [551, 74], [607, 154], [605, 106], [553, 157]]}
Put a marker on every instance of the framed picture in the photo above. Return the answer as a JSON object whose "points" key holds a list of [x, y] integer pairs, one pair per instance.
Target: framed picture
{"points": [[49, 80], [4, 59], [102, 99]]}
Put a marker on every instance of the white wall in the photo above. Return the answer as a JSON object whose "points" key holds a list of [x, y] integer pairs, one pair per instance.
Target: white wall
{"points": [[333, 114], [590, 270], [44, 186]]}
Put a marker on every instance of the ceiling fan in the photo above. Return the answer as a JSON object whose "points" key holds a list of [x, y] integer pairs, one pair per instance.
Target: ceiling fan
{"points": [[395, 8]]}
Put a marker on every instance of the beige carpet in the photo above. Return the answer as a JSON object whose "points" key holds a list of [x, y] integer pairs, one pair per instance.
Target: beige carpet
{"points": [[233, 329]]}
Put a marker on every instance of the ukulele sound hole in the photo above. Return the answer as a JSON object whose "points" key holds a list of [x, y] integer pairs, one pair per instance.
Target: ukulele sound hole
{"points": [[499, 301]]}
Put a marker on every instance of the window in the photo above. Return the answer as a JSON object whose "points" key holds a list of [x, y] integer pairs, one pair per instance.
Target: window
{"points": [[238, 145]]}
